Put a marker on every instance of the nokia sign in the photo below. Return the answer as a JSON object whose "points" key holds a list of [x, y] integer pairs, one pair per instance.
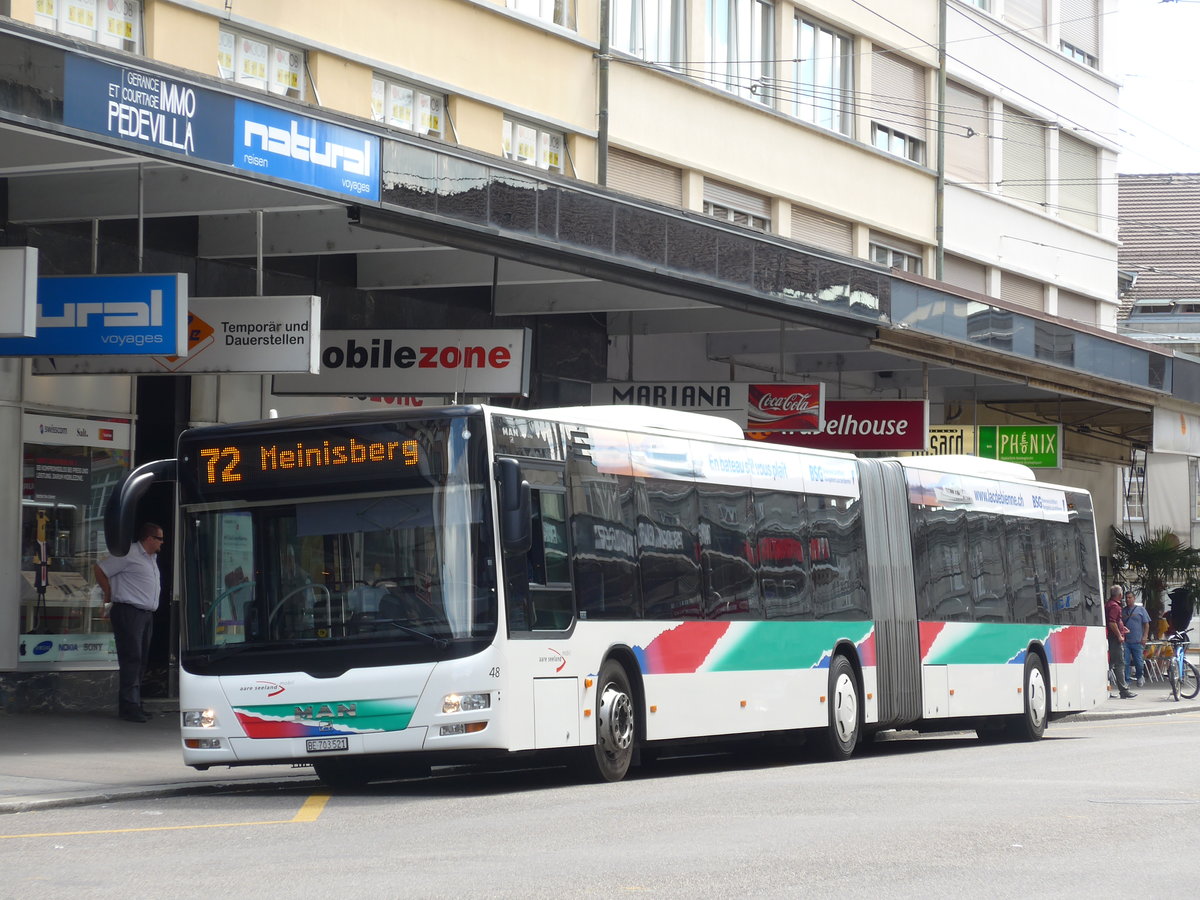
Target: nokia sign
{"points": [[104, 315]]}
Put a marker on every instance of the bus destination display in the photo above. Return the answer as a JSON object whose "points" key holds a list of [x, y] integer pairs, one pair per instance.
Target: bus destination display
{"points": [[304, 461]]}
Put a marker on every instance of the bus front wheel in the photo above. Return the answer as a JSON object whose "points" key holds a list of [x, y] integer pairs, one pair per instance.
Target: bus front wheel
{"points": [[845, 719], [616, 720]]}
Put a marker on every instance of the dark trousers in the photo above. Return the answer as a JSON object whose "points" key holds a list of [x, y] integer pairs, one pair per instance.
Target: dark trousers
{"points": [[1116, 661], [131, 629]]}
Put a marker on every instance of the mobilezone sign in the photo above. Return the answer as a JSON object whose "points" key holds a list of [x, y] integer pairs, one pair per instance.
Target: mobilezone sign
{"points": [[160, 113], [104, 315]]}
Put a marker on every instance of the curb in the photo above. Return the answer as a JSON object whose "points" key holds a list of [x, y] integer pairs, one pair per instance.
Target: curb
{"points": [[149, 791]]}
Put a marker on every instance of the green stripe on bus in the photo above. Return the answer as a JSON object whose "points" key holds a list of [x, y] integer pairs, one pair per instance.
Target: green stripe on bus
{"points": [[983, 643], [785, 645]]}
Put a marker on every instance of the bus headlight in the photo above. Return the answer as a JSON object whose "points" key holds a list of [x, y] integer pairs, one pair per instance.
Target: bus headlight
{"points": [[453, 703], [199, 718]]}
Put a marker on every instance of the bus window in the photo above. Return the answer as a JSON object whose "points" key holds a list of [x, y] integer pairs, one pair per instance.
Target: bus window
{"points": [[727, 555], [837, 553], [947, 597], [985, 567], [605, 548], [667, 550]]}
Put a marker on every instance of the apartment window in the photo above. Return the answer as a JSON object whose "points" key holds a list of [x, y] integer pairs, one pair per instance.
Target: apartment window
{"points": [[559, 12], [1026, 16], [823, 75], [1079, 31], [261, 63], [734, 204], [741, 47], [114, 23], [905, 260], [967, 130], [1024, 157], [649, 29], [1080, 56], [407, 106], [533, 145], [1078, 181], [897, 143]]}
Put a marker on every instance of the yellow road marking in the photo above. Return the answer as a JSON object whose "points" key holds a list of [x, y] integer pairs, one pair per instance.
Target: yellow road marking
{"points": [[308, 812]]}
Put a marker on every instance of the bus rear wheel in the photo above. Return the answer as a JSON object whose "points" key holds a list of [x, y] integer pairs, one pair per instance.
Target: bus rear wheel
{"points": [[845, 714], [1030, 725], [616, 726]]}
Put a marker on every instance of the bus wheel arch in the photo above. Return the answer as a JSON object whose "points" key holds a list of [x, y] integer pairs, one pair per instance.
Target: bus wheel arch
{"points": [[619, 725], [845, 705]]}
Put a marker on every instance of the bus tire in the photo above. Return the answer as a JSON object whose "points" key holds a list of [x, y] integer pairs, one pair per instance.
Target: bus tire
{"points": [[845, 711], [616, 726], [1030, 725]]}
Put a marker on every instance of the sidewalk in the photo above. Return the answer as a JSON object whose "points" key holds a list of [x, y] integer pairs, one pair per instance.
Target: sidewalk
{"points": [[51, 760]]}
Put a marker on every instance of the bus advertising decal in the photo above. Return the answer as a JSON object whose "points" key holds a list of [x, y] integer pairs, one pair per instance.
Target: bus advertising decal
{"points": [[285, 720], [753, 646], [985, 643]]}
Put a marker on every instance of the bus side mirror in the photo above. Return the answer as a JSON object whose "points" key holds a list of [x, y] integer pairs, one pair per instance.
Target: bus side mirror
{"points": [[516, 508]]}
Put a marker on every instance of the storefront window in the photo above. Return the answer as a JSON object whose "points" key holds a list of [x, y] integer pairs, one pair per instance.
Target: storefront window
{"points": [[70, 468]]}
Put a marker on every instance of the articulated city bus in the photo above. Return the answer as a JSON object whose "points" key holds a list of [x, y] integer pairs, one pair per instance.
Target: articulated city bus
{"points": [[377, 593]]}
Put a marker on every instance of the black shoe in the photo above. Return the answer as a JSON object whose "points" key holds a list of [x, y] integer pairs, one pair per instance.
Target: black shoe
{"points": [[145, 712], [1127, 695], [134, 715]]}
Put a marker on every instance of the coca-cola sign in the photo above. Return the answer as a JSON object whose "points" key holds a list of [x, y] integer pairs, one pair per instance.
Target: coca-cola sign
{"points": [[860, 425], [785, 407]]}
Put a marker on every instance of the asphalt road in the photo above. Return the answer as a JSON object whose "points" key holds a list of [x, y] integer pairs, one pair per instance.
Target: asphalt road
{"points": [[1078, 814]]}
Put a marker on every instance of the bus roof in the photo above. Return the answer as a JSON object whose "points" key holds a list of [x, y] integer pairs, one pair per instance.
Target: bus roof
{"points": [[643, 418]]}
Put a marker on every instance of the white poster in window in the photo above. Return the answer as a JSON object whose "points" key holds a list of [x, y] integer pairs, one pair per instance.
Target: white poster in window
{"points": [[45, 13], [226, 52], [79, 18], [550, 151], [119, 24], [378, 99], [435, 115], [253, 59], [506, 139], [400, 106], [526, 144], [422, 113], [285, 72]]}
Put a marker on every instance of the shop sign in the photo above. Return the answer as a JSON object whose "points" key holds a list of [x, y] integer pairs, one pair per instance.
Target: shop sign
{"points": [[760, 407], [305, 151], [66, 648], [18, 291], [947, 440], [247, 335], [70, 432], [143, 108], [102, 315], [885, 426], [1036, 446], [372, 363]]}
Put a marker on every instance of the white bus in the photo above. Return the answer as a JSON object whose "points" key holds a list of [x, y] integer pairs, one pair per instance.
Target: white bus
{"points": [[377, 593]]}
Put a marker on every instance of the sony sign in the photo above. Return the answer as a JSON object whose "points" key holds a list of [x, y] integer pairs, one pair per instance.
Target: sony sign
{"points": [[103, 315]]}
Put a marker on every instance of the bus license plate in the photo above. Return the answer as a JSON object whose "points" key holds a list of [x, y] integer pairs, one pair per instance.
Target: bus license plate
{"points": [[322, 745]]}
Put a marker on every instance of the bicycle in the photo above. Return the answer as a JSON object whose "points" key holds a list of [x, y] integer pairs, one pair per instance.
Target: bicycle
{"points": [[1185, 679]]}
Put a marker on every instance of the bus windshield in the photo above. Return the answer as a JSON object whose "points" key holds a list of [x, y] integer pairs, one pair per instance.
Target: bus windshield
{"points": [[404, 566]]}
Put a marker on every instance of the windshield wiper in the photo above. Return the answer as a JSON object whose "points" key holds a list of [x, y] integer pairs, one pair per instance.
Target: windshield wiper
{"points": [[440, 643]]}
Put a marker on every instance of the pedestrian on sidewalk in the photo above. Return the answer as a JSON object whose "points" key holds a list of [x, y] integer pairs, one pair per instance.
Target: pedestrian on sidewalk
{"points": [[1116, 640], [1137, 623], [132, 583]]}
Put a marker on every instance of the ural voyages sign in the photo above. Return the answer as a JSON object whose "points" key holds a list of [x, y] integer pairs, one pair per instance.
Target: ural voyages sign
{"points": [[102, 315], [865, 425], [144, 108], [491, 362]]}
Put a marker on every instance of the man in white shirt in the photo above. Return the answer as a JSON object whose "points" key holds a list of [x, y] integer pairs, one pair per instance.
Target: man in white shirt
{"points": [[132, 583]]}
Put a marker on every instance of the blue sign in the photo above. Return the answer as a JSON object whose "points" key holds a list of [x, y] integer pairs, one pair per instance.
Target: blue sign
{"points": [[305, 151], [147, 109], [107, 315]]}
